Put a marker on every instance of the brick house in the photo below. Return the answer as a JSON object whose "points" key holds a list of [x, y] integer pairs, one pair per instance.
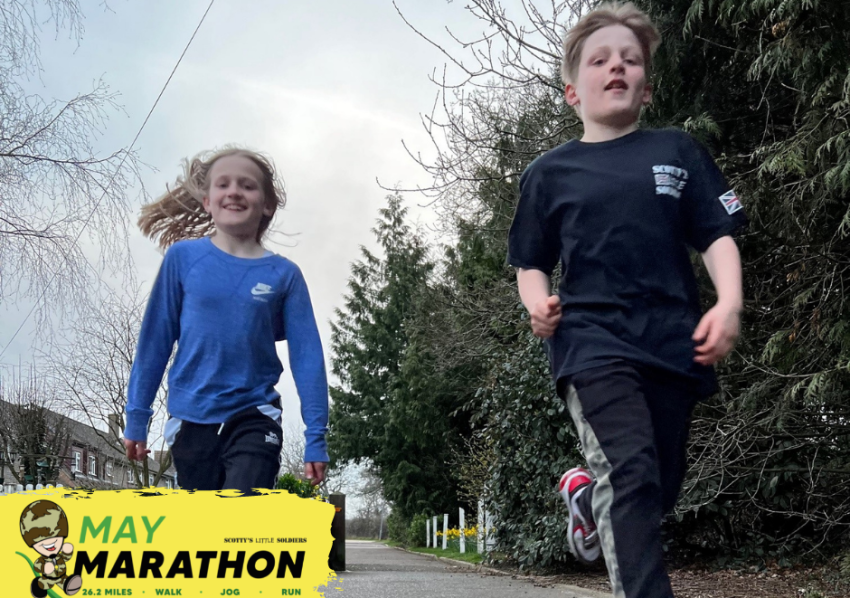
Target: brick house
{"points": [[91, 461]]}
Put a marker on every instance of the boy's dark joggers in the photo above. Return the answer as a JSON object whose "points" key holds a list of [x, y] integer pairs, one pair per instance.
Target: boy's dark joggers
{"points": [[633, 425], [240, 454]]}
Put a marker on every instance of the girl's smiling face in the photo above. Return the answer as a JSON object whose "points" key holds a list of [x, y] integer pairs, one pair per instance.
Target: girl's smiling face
{"points": [[235, 198]]}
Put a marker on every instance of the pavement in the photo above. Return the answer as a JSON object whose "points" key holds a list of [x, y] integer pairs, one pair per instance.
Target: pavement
{"points": [[374, 570]]}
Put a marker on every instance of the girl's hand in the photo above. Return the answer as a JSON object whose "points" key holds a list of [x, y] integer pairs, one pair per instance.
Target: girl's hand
{"points": [[315, 472], [546, 316], [716, 333], [136, 451]]}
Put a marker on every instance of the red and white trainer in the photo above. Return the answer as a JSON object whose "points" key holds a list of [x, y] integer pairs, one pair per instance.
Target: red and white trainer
{"points": [[583, 539]]}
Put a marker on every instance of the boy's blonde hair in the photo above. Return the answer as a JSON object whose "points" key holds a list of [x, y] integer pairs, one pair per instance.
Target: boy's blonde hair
{"points": [[605, 15], [179, 213]]}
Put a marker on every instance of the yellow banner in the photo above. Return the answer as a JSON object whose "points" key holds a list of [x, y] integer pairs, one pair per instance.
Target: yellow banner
{"points": [[159, 542]]}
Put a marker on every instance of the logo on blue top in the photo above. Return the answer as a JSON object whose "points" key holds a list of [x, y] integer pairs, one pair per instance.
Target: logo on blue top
{"points": [[261, 289]]}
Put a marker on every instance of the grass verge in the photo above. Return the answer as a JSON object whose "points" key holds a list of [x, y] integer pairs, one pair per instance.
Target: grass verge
{"points": [[468, 557]]}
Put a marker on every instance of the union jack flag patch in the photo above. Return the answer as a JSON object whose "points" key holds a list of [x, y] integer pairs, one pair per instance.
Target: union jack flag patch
{"points": [[731, 202]]}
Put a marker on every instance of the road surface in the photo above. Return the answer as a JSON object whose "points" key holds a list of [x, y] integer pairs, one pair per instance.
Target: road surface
{"points": [[374, 570]]}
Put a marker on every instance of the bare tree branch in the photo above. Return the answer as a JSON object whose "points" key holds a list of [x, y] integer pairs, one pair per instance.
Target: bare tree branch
{"points": [[57, 189]]}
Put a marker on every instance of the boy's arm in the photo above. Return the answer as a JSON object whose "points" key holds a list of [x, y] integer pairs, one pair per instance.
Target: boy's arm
{"points": [[544, 308], [719, 327], [533, 250], [712, 213], [723, 262], [533, 287]]}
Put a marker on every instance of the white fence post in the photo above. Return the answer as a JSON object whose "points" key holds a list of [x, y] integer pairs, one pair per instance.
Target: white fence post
{"points": [[29, 487], [435, 531], [427, 533], [445, 529], [481, 529], [462, 531], [489, 541]]}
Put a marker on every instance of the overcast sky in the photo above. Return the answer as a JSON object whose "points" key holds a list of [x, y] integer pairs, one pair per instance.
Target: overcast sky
{"points": [[328, 88]]}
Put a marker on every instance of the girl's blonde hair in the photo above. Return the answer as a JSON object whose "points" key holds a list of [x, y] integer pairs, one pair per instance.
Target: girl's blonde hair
{"points": [[179, 213], [606, 14]]}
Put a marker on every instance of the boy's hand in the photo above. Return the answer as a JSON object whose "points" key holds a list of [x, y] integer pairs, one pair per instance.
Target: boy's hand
{"points": [[67, 548], [48, 568], [315, 472], [545, 316], [716, 334], [136, 451]]}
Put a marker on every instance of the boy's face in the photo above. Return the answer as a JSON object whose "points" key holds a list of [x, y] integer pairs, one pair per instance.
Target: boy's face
{"points": [[50, 546], [610, 86]]}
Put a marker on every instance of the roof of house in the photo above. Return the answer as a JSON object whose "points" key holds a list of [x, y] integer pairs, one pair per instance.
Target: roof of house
{"points": [[87, 436]]}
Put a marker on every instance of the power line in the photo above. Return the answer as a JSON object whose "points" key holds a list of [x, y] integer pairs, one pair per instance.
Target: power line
{"points": [[117, 170]]}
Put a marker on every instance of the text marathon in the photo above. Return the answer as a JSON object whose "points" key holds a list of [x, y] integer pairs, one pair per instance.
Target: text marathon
{"points": [[258, 565]]}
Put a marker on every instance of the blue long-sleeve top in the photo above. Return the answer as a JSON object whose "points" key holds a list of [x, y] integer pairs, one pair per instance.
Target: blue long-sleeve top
{"points": [[226, 313]]}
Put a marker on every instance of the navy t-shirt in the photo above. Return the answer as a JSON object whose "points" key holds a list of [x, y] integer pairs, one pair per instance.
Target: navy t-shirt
{"points": [[620, 216]]}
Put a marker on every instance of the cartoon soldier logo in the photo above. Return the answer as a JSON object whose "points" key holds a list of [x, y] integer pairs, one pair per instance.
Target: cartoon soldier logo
{"points": [[44, 528]]}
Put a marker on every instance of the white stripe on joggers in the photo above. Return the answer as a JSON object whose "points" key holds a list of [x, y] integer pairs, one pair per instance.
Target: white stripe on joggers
{"points": [[603, 493]]}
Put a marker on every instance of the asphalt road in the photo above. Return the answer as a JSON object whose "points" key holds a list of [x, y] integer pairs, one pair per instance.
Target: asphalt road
{"points": [[377, 571]]}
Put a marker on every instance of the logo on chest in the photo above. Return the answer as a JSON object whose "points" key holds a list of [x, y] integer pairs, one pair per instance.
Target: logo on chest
{"points": [[669, 180], [260, 290]]}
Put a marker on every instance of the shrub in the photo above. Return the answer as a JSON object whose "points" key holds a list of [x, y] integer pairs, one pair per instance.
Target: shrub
{"points": [[397, 527]]}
